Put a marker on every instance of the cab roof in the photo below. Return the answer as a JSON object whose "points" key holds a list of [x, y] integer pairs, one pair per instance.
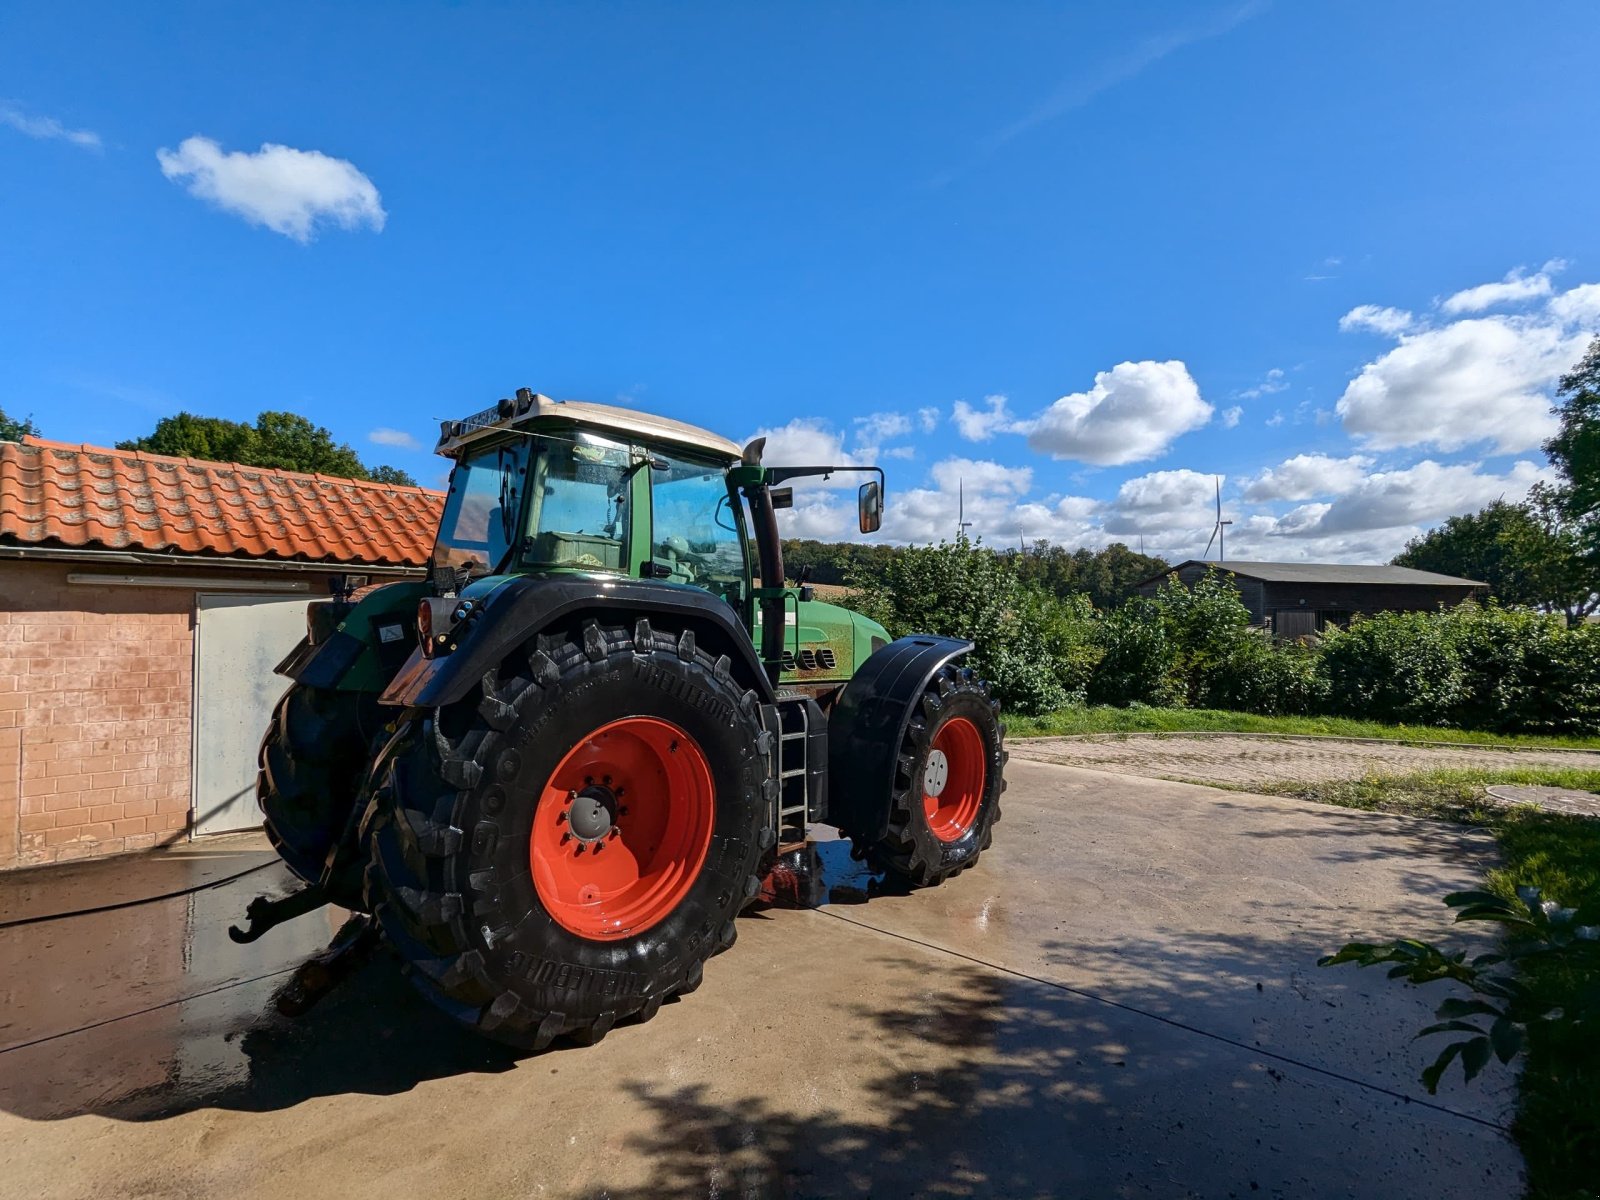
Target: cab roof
{"points": [[532, 409]]}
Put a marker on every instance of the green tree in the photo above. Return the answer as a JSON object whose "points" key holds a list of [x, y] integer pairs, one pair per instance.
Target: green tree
{"points": [[1529, 554], [14, 429], [1575, 450], [1108, 577], [392, 475], [282, 440]]}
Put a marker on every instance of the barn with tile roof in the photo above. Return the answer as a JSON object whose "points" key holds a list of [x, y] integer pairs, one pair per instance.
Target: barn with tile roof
{"points": [[144, 601]]}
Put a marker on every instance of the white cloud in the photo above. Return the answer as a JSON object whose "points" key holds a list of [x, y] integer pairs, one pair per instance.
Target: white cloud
{"points": [[980, 475], [1133, 412], [804, 441], [289, 191], [1390, 322], [47, 128], [881, 426], [928, 418], [1473, 379], [1421, 495], [1513, 289], [1230, 417], [1580, 306], [1482, 379], [1275, 419], [1163, 501], [981, 424], [398, 438], [872, 430], [1308, 475], [1273, 383]]}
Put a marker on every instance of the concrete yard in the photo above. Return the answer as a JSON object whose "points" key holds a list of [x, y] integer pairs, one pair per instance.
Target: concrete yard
{"points": [[1121, 1000]]}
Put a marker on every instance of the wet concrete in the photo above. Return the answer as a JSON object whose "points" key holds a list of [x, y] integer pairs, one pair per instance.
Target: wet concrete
{"points": [[1080, 1016]]}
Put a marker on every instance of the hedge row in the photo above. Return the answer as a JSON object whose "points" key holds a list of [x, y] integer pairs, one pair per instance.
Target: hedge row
{"points": [[1487, 668]]}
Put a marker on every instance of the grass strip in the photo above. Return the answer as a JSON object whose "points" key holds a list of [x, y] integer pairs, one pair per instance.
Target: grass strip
{"points": [[1102, 718]]}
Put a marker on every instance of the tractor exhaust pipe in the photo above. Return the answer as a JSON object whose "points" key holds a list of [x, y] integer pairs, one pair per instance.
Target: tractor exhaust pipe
{"points": [[769, 556]]}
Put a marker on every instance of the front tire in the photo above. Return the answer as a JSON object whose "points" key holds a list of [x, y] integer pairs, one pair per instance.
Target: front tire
{"points": [[947, 783], [565, 849]]}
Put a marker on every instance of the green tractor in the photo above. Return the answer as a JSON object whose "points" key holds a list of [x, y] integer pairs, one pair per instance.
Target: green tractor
{"points": [[555, 771]]}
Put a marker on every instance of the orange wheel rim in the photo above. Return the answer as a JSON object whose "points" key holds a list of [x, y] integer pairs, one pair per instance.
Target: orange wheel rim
{"points": [[622, 828], [953, 779]]}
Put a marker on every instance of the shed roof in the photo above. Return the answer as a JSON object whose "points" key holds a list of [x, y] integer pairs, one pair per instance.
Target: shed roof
{"points": [[61, 495], [1299, 572]]}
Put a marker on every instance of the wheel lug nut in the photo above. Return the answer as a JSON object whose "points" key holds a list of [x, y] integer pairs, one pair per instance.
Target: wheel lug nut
{"points": [[606, 779], [561, 817]]}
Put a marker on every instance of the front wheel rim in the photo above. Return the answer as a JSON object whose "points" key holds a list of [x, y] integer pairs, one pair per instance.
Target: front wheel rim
{"points": [[953, 793], [622, 828]]}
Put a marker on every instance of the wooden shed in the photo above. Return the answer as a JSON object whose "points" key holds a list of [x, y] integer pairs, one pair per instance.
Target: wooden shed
{"points": [[1293, 599]]}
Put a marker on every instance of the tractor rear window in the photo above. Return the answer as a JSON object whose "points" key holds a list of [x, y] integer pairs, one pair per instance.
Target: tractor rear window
{"points": [[579, 508], [482, 510]]}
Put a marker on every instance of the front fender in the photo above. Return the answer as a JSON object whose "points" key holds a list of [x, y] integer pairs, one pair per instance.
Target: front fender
{"points": [[526, 604], [869, 722]]}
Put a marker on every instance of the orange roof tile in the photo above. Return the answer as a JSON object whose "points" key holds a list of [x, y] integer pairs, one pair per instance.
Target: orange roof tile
{"points": [[53, 493]]}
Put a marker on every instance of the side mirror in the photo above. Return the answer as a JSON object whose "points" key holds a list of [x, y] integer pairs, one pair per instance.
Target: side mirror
{"points": [[869, 506]]}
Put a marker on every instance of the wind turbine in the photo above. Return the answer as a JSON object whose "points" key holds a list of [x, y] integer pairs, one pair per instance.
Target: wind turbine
{"points": [[1219, 531], [962, 524]]}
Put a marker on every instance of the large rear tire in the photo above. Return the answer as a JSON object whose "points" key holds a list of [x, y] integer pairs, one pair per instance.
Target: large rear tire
{"points": [[948, 778], [565, 849], [312, 761]]}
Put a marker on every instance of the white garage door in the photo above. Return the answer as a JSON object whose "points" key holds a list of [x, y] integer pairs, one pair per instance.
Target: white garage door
{"points": [[238, 640]]}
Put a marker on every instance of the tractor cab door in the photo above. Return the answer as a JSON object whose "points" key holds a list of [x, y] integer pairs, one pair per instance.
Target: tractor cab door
{"points": [[697, 529]]}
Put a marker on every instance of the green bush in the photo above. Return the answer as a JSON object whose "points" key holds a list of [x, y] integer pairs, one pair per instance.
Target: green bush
{"points": [[960, 589], [1138, 660], [1524, 671], [1256, 676], [1395, 667], [1207, 625]]}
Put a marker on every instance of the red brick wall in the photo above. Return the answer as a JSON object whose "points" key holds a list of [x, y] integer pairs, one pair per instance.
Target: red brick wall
{"points": [[95, 702]]}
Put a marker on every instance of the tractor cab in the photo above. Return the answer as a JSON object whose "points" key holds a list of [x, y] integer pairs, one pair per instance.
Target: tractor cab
{"points": [[542, 486]]}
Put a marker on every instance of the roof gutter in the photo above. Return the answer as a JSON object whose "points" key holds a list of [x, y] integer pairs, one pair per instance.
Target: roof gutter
{"points": [[134, 558]]}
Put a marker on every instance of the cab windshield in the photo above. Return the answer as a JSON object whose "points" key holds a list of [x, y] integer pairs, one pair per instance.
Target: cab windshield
{"points": [[539, 501]]}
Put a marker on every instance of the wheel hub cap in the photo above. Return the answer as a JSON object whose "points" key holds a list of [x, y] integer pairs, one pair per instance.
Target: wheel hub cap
{"points": [[936, 774], [593, 813]]}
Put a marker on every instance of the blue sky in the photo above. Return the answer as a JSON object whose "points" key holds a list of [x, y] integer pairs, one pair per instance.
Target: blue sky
{"points": [[1333, 253]]}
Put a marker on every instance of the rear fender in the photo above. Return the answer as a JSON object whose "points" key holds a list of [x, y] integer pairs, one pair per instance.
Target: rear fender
{"points": [[869, 722], [367, 647], [526, 605]]}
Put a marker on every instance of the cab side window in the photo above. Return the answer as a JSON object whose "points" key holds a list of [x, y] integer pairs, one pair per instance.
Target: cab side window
{"points": [[697, 537]]}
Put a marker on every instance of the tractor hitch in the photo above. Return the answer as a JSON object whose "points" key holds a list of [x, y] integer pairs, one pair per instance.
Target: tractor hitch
{"points": [[264, 912]]}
